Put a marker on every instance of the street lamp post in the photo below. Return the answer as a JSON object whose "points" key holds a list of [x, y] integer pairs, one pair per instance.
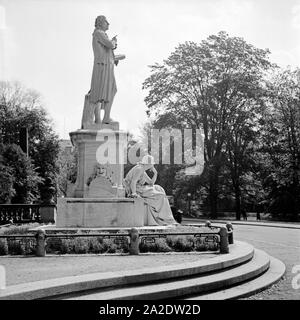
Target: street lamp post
{"points": [[189, 203]]}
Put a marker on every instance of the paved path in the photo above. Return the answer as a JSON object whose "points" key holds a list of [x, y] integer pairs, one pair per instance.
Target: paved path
{"points": [[281, 243], [27, 269]]}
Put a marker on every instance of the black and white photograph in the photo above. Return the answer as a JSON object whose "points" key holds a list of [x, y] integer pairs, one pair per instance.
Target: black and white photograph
{"points": [[150, 156]]}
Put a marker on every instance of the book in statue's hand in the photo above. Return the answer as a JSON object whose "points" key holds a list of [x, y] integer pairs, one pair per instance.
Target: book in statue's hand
{"points": [[119, 57]]}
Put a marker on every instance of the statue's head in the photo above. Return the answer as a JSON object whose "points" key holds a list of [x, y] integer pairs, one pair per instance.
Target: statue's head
{"points": [[147, 161], [101, 22]]}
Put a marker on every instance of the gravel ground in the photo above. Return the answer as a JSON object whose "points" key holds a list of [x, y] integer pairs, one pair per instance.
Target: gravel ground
{"points": [[271, 293], [28, 269]]}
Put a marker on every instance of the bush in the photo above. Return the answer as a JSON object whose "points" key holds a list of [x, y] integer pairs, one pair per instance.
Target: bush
{"points": [[109, 246], [3, 247], [23, 229], [81, 246], [66, 246], [213, 246], [87, 245], [147, 246], [160, 245], [21, 247], [53, 245], [181, 243], [96, 246], [200, 245]]}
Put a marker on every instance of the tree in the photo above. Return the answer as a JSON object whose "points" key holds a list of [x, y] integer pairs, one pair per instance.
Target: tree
{"points": [[67, 163], [208, 85], [20, 176], [21, 107], [6, 182], [280, 142], [243, 132]]}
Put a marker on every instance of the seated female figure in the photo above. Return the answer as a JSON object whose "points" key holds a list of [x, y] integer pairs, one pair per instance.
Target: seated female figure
{"points": [[138, 184]]}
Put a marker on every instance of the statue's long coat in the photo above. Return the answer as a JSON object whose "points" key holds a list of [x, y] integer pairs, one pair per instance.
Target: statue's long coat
{"points": [[103, 84]]}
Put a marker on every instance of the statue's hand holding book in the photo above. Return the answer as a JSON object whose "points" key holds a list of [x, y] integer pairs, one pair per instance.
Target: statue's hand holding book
{"points": [[119, 57]]}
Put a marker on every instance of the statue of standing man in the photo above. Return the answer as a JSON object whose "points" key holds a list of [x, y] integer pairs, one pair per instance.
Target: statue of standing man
{"points": [[103, 84]]}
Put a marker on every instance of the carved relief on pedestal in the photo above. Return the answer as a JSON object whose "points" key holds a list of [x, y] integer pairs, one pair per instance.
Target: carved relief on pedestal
{"points": [[101, 170], [100, 183]]}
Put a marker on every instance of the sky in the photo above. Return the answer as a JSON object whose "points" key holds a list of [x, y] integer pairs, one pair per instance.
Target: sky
{"points": [[47, 45]]}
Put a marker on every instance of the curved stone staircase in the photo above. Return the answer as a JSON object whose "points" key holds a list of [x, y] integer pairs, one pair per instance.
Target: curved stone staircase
{"points": [[242, 272]]}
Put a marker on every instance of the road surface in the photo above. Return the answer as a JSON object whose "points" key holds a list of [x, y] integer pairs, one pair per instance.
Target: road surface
{"points": [[281, 243]]}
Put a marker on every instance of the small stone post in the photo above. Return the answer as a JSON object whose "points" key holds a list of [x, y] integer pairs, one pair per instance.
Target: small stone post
{"points": [[134, 242], [224, 248], [40, 243], [230, 232]]}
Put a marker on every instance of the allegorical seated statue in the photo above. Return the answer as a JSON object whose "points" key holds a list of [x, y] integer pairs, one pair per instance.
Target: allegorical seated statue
{"points": [[103, 84], [137, 183]]}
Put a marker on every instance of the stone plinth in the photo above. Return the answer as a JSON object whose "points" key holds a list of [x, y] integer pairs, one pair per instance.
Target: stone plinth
{"points": [[96, 212], [96, 177], [48, 213]]}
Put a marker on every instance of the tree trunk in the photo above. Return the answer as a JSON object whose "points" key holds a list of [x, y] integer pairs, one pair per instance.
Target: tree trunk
{"points": [[237, 192], [213, 193]]}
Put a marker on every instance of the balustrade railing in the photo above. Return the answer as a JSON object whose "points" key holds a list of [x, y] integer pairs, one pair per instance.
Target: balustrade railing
{"points": [[19, 213]]}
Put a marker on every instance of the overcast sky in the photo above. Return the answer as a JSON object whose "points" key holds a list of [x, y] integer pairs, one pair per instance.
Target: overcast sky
{"points": [[46, 44]]}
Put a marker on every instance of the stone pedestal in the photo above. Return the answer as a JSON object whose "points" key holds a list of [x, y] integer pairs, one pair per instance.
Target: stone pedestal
{"points": [[100, 213], [100, 162], [98, 198], [48, 213]]}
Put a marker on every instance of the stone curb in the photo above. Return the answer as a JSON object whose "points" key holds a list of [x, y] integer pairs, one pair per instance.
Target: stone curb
{"points": [[240, 252], [271, 276], [182, 287]]}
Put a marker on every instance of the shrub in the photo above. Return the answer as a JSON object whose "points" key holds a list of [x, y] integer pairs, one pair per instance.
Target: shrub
{"points": [[125, 247], [213, 246], [147, 246], [96, 246], [109, 246], [122, 244], [21, 247], [29, 246], [3, 247], [81, 245], [160, 245], [14, 248], [86, 245], [200, 245], [66, 246], [18, 229], [53, 245], [181, 243]]}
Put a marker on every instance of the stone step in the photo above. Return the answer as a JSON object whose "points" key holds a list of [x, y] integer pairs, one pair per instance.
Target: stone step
{"points": [[271, 276], [240, 252], [175, 288]]}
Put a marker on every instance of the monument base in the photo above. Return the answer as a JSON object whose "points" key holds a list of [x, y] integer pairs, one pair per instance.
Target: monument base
{"points": [[100, 213], [97, 177]]}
